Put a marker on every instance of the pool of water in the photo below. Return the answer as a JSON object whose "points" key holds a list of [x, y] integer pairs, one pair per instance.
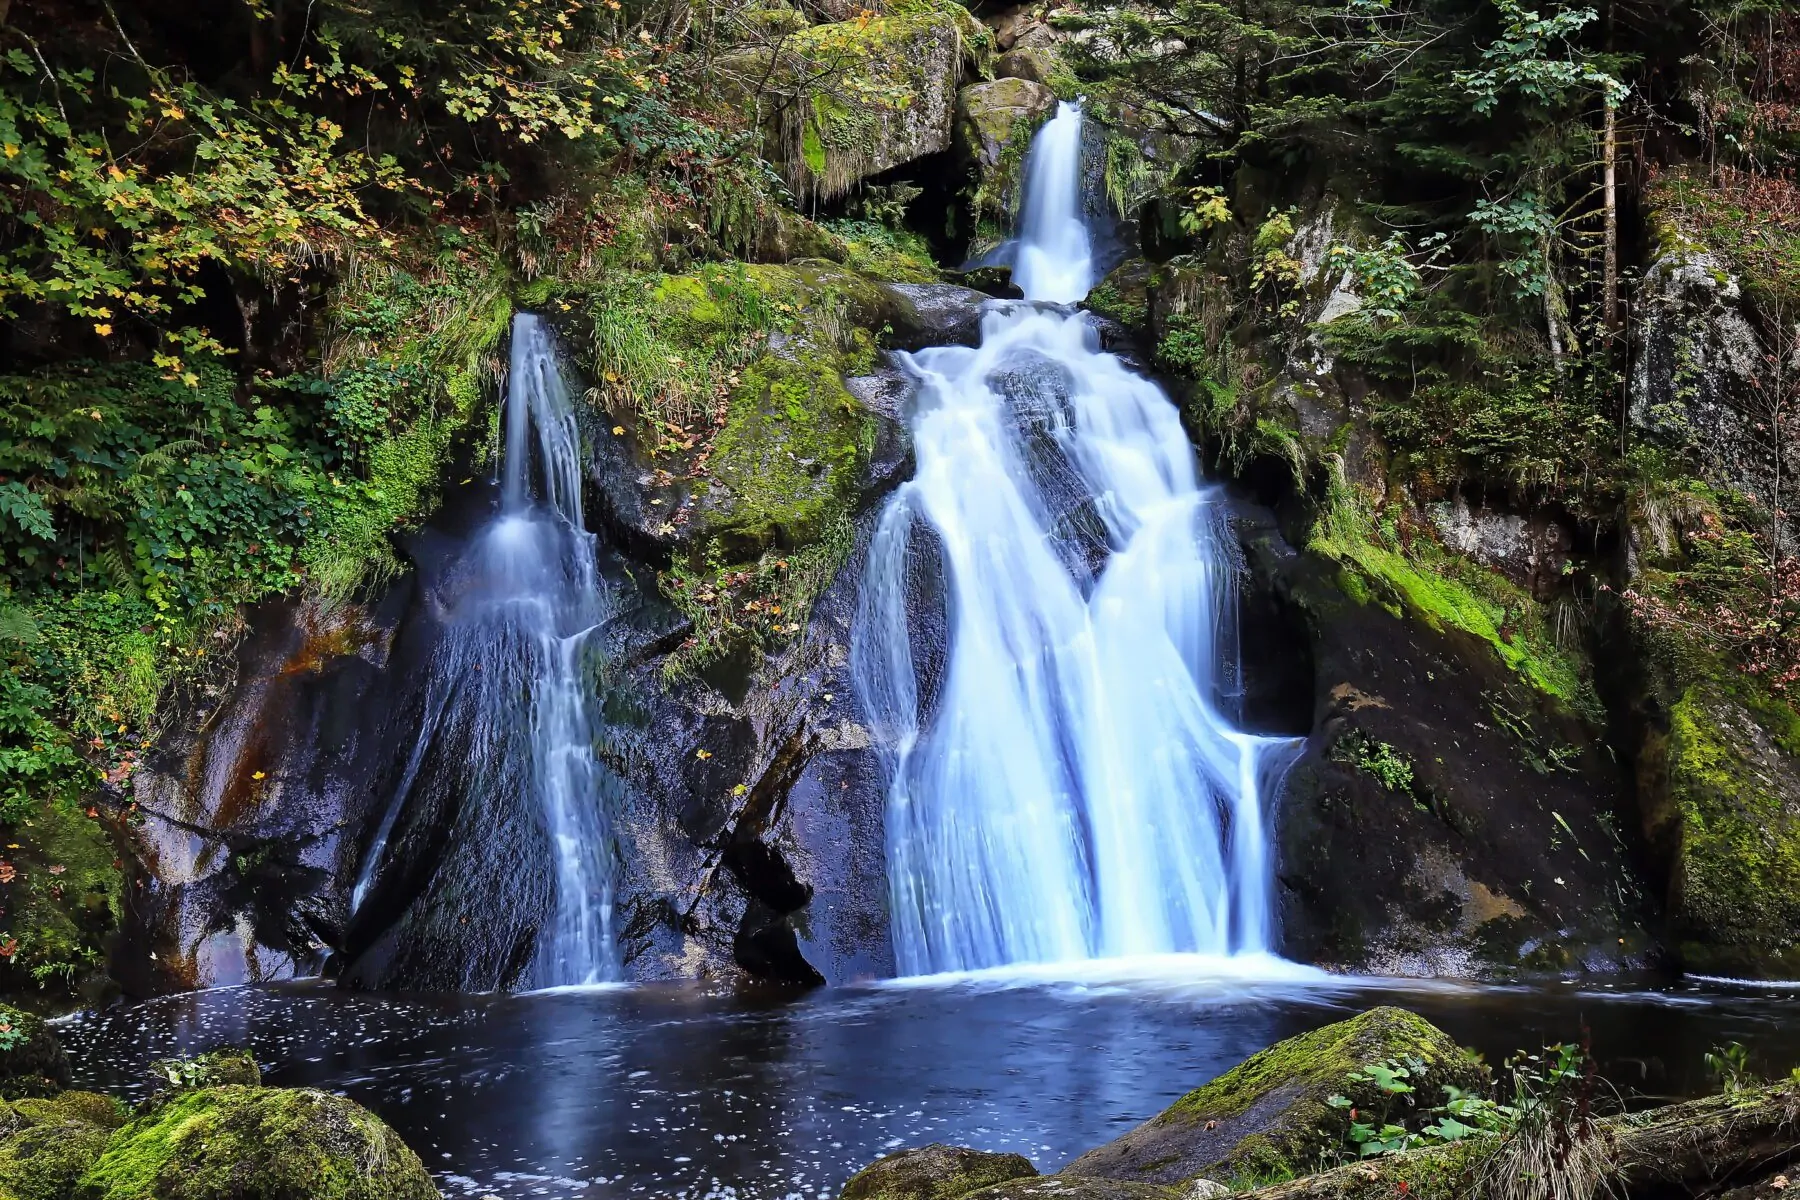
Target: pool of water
{"points": [[688, 1092]]}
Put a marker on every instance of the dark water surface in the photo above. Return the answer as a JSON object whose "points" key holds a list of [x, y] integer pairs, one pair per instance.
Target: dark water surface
{"points": [[686, 1093]]}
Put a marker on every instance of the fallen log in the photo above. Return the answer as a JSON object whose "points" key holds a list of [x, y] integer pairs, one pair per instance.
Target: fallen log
{"points": [[1692, 1150]]}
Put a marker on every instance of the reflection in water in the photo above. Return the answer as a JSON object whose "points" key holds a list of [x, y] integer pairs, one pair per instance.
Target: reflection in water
{"points": [[663, 1091]]}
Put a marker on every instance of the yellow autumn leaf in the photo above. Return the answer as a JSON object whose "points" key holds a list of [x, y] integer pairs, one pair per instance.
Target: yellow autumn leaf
{"points": [[258, 775], [618, 431], [703, 754], [12, 151], [103, 329]]}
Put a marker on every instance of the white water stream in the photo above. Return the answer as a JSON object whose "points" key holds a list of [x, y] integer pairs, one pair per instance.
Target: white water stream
{"points": [[511, 666], [1076, 789]]}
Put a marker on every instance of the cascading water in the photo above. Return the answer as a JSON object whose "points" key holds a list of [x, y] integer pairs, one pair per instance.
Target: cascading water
{"points": [[511, 667], [1077, 789]]}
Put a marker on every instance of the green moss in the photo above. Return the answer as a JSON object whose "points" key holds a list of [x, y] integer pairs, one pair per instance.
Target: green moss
{"points": [[790, 450], [1417, 577], [87, 1107], [1734, 786], [215, 1068], [880, 252], [934, 1172], [270, 1143], [422, 348], [45, 1162], [1269, 1117]]}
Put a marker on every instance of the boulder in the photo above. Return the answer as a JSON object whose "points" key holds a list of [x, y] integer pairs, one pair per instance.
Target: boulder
{"points": [[214, 1068], [936, 314], [1720, 792], [1270, 1113], [32, 1062], [861, 96], [251, 1143], [994, 124], [90, 1108], [45, 1162], [1070, 1187], [1036, 63], [935, 1172]]}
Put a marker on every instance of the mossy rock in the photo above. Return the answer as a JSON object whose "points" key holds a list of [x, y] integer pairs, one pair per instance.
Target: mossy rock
{"points": [[32, 1062], [45, 1162], [935, 1172], [1731, 759], [215, 1068], [1269, 1116], [995, 121], [1124, 296], [1075, 1187], [250, 1143], [789, 456], [89, 1107]]}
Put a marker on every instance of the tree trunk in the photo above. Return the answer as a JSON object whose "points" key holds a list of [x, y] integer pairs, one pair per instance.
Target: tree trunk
{"points": [[1610, 283]]}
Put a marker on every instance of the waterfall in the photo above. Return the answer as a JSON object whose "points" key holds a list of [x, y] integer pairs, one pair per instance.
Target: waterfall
{"points": [[511, 668], [1076, 788]]}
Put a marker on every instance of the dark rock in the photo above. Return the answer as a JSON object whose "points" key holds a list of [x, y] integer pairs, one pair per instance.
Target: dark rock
{"points": [[935, 1172], [1036, 63], [993, 281], [935, 314], [1430, 869], [32, 1062], [1269, 1114]]}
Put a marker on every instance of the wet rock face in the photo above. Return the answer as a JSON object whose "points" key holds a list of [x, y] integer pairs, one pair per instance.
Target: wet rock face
{"points": [[995, 120], [1446, 818], [1270, 1115]]}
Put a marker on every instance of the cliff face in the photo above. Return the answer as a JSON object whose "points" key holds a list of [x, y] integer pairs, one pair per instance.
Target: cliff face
{"points": [[1527, 635]]}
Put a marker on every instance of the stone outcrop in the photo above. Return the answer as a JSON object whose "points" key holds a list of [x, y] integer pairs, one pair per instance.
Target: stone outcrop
{"points": [[994, 124], [1271, 1113]]}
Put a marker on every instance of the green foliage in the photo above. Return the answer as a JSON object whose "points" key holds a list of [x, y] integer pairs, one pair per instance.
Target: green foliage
{"points": [[1730, 1065], [1406, 570], [1389, 767]]}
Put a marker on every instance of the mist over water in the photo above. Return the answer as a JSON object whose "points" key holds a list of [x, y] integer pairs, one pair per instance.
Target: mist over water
{"points": [[1078, 789], [511, 669]]}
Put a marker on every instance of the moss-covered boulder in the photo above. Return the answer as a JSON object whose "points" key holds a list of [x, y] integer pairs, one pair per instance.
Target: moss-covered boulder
{"points": [[1270, 1114], [45, 1162], [845, 100], [935, 1172], [1073, 1187], [249, 1143], [1721, 790], [32, 1062], [994, 124], [789, 456], [89, 1108], [214, 1068]]}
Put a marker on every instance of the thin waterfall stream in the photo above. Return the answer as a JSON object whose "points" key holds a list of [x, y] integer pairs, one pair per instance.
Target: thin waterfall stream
{"points": [[1078, 788], [512, 669]]}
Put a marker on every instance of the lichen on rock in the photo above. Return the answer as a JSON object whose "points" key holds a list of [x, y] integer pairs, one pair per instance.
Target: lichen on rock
{"points": [[1269, 1114]]}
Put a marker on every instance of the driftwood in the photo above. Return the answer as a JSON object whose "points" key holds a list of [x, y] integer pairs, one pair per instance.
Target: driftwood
{"points": [[1696, 1149]]}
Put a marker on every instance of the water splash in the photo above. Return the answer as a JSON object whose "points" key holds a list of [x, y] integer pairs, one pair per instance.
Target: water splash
{"points": [[512, 667], [1077, 788]]}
